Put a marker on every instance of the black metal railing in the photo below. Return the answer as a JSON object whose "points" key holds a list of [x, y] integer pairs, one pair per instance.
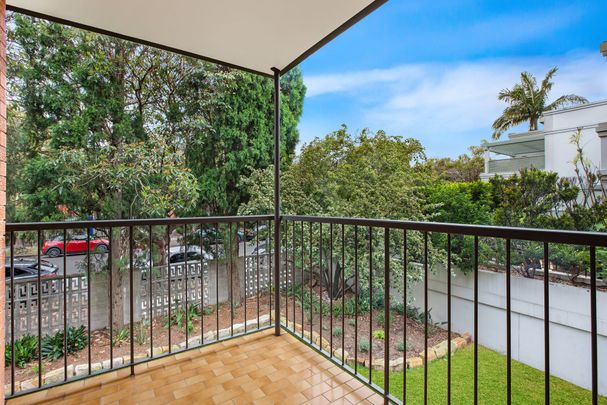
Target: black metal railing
{"points": [[386, 252], [153, 283], [331, 270]]}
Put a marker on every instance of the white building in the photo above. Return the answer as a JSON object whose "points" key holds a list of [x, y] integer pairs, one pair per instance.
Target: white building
{"points": [[550, 148]]}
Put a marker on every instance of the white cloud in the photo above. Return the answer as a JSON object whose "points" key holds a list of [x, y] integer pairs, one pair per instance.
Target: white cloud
{"points": [[450, 106]]}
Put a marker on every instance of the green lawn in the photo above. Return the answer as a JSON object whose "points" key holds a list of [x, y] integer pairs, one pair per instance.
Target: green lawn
{"points": [[527, 382]]}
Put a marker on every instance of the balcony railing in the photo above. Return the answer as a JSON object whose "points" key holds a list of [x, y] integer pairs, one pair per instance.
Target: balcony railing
{"points": [[335, 273], [513, 165]]}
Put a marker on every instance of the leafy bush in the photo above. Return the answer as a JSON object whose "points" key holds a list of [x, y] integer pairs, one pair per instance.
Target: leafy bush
{"points": [[52, 345], [381, 321], [121, 335], [26, 350], [352, 322], [182, 318], [337, 331], [209, 310], [401, 346], [379, 334], [363, 345]]}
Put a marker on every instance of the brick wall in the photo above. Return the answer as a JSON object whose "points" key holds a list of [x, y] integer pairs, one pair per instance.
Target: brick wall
{"points": [[2, 178]]}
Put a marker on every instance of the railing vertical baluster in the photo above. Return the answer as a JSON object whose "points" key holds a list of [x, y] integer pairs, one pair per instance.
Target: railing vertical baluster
{"points": [[202, 265], [216, 233], [257, 259], [475, 320], [546, 326], [186, 274], [310, 283], [110, 271], [230, 236], [151, 292], [131, 302], [293, 258], [593, 328], [64, 304], [449, 318], [169, 285], [89, 287], [425, 317], [343, 295], [286, 225], [386, 314], [405, 313], [39, 293], [370, 305], [270, 267], [321, 267], [244, 233], [12, 287], [330, 289], [302, 278], [355, 299], [508, 325]]}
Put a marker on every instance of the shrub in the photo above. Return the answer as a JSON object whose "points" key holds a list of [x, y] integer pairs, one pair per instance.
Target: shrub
{"points": [[381, 319], [363, 345], [208, 310], [352, 322], [121, 335], [401, 346], [52, 345], [183, 319], [337, 331], [26, 349], [379, 334]]}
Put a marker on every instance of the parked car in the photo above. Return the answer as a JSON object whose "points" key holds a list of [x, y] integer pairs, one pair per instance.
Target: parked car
{"points": [[76, 244], [210, 236], [177, 254], [28, 269]]}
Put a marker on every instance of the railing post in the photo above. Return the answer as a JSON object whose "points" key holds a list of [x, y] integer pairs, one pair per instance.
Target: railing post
{"points": [[277, 241], [2, 177]]}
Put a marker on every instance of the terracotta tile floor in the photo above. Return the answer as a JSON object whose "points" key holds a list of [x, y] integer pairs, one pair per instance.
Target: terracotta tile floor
{"points": [[254, 369]]}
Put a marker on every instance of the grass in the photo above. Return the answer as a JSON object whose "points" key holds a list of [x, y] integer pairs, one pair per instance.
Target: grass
{"points": [[527, 382]]}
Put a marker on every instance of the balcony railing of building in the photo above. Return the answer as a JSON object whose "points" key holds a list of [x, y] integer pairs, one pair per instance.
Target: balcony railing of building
{"points": [[224, 285], [515, 164]]}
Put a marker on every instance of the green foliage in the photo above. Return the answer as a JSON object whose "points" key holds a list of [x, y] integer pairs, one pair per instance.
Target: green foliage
{"points": [[208, 310], [351, 322], [528, 102], [141, 332], [133, 131], [379, 334], [52, 345], [363, 345], [401, 346], [337, 331], [26, 350], [463, 169], [381, 321], [183, 319], [121, 335]]}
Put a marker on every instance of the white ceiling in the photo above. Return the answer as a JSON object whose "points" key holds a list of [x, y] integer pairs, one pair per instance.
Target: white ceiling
{"points": [[254, 34]]}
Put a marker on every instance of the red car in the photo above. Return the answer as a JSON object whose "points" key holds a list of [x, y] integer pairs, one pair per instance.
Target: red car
{"points": [[75, 244]]}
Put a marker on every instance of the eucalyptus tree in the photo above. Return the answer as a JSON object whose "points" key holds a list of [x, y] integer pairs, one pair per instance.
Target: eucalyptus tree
{"points": [[528, 102]]}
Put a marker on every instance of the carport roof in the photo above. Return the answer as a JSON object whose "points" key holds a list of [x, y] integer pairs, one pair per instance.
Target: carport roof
{"points": [[259, 36]]}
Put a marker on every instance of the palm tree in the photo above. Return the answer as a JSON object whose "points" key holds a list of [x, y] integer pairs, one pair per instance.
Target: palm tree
{"points": [[528, 102]]}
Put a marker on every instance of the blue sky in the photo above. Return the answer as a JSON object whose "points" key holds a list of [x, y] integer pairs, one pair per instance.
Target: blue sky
{"points": [[432, 70]]}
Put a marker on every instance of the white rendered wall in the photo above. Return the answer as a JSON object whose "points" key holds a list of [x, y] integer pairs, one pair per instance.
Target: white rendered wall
{"points": [[559, 126], [569, 321]]}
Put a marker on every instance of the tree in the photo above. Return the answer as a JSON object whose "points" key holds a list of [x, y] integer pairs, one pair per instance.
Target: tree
{"points": [[120, 130], [367, 175], [528, 102], [463, 169]]}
